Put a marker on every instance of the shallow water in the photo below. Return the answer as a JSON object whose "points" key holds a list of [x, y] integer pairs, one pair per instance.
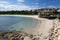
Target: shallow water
{"points": [[13, 23]]}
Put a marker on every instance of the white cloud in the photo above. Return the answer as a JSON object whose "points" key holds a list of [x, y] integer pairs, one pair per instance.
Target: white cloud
{"points": [[20, 0], [4, 2], [36, 3], [6, 6], [51, 6], [15, 7]]}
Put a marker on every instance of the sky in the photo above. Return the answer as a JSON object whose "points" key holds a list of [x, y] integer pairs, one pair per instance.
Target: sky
{"points": [[6, 5]]}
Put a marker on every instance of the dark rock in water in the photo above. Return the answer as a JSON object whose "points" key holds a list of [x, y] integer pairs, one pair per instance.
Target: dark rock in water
{"points": [[15, 39]]}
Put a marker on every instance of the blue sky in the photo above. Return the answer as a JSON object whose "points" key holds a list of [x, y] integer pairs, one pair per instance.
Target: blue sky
{"points": [[28, 4]]}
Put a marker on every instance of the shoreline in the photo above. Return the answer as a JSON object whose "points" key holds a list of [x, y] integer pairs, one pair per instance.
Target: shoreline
{"points": [[20, 15], [42, 28], [31, 16]]}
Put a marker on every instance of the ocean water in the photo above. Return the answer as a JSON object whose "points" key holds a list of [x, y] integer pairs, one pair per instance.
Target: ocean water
{"points": [[14, 23]]}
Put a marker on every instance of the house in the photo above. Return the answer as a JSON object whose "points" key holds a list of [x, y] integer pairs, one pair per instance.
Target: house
{"points": [[47, 12], [58, 10]]}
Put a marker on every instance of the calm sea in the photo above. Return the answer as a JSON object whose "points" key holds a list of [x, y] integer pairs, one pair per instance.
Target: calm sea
{"points": [[13, 23]]}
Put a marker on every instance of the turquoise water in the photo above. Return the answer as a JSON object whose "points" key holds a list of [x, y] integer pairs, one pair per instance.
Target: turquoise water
{"points": [[13, 23]]}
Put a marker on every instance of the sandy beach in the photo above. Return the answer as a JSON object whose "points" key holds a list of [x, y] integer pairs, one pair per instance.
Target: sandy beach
{"points": [[43, 27], [32, 16]]}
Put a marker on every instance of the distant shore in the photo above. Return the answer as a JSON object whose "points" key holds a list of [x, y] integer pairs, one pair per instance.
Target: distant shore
{"points": [[33, 16]]}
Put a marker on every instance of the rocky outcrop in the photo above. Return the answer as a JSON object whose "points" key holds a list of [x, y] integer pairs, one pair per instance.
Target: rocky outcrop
{"points": [[16, 36], [55, 31]]}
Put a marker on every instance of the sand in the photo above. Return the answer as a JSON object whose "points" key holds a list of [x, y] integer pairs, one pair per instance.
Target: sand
{"points": [[43, 27], [33, 16]]}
